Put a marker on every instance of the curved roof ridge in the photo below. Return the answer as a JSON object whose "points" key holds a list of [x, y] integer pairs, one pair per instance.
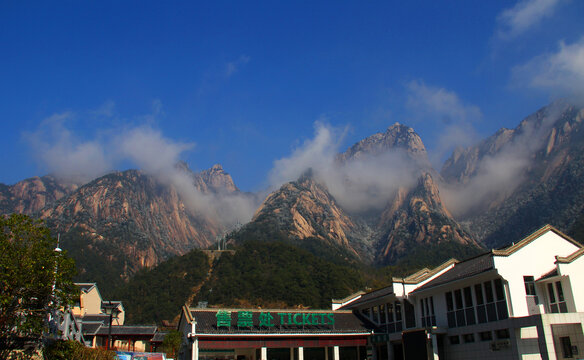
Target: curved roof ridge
{"points": [[531, 237], [573, 256]]}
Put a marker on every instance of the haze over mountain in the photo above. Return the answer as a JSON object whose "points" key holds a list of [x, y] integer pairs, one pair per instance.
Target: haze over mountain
{"points": [[518, 178], [379, 202]]}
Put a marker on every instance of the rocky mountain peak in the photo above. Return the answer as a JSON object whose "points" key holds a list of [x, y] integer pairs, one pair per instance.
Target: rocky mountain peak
{"points": [[546, 128], [416, 219], [31, 195], [304, 209], [397, 137], [218, 180]]}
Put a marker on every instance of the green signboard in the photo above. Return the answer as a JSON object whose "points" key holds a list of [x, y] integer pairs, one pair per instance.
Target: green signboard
{"points": [[267, 319]]}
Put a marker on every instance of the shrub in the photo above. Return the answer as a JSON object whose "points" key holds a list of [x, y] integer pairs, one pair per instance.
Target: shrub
{"points": [[73, 350]]}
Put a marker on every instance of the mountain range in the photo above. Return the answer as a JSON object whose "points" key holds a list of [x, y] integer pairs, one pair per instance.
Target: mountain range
{"points": [[380, 203]]}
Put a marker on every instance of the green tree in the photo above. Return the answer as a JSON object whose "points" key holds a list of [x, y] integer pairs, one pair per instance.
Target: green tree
{"points": [[35, 281], [171, 343]]}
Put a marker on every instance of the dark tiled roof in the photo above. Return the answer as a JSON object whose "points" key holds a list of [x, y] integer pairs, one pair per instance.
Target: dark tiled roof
{"points": [[344, 322], [107, 304], [350, 297], [85, 286], [159, 337], [549, 274], [91, 328], [128, 330], [101, 318], [169, 324], [424, 274], [461, 270], [375, 294]]}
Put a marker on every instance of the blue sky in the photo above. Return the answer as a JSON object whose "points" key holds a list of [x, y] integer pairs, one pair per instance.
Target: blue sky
{"points": [[88, 87]]}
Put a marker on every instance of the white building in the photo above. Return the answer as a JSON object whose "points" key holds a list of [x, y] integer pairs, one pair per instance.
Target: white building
{"points": [[522, 302]]}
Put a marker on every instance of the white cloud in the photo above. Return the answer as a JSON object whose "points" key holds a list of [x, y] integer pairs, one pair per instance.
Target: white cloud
{"points": [[498, 174], [65, 154], [561, 73], [233, 66], [524, 16], [318, 153], [148, 149], [454, 119], [439, 104], [358, 185]]}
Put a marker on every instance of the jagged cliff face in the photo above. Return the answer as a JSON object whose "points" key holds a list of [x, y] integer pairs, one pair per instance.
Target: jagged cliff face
{"points": [[304, 209], [31, 195], [417, 218], [546, 130], [145, 220], [213, 180], [217, 180], [397, 138], [510, 183], [545, 186], [121, 222], [414, 216]]}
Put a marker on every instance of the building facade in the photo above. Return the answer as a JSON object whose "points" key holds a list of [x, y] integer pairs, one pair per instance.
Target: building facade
{"points": [[101, 320], [252, 334], [522, 302]]}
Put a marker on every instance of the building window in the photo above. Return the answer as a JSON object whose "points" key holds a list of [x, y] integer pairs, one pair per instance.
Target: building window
{"points": [[529, 282], [486, 336], [454, 340], [428, 315], [468, 338], [556, 297], [375, 315], [566, 347], [489, 304], [502, 334], [501, 303], [491, 307], [394, 317], [398, 316], [382, 318], [450, 310], [460, 321], [469, 307], [481, 307]]}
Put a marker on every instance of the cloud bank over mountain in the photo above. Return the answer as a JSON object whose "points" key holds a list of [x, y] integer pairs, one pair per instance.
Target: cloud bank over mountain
{"points": [[357, 184], [66, 155], [506, 156]]}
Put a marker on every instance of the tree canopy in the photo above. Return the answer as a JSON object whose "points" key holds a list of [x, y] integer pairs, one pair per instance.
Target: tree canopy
{"points": [[35, 281]]}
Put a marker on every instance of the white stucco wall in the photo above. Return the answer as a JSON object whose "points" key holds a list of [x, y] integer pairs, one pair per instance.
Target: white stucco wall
{"points": [[574, 272], [535, 259]]}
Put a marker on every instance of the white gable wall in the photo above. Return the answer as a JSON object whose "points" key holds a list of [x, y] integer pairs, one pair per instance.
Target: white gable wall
{"points": [[575, 273], [535, 259]]}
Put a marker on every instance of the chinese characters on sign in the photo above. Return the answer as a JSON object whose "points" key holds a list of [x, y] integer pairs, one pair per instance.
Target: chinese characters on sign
{"points": [[244, 318], [266, 319], [223, 318]]}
